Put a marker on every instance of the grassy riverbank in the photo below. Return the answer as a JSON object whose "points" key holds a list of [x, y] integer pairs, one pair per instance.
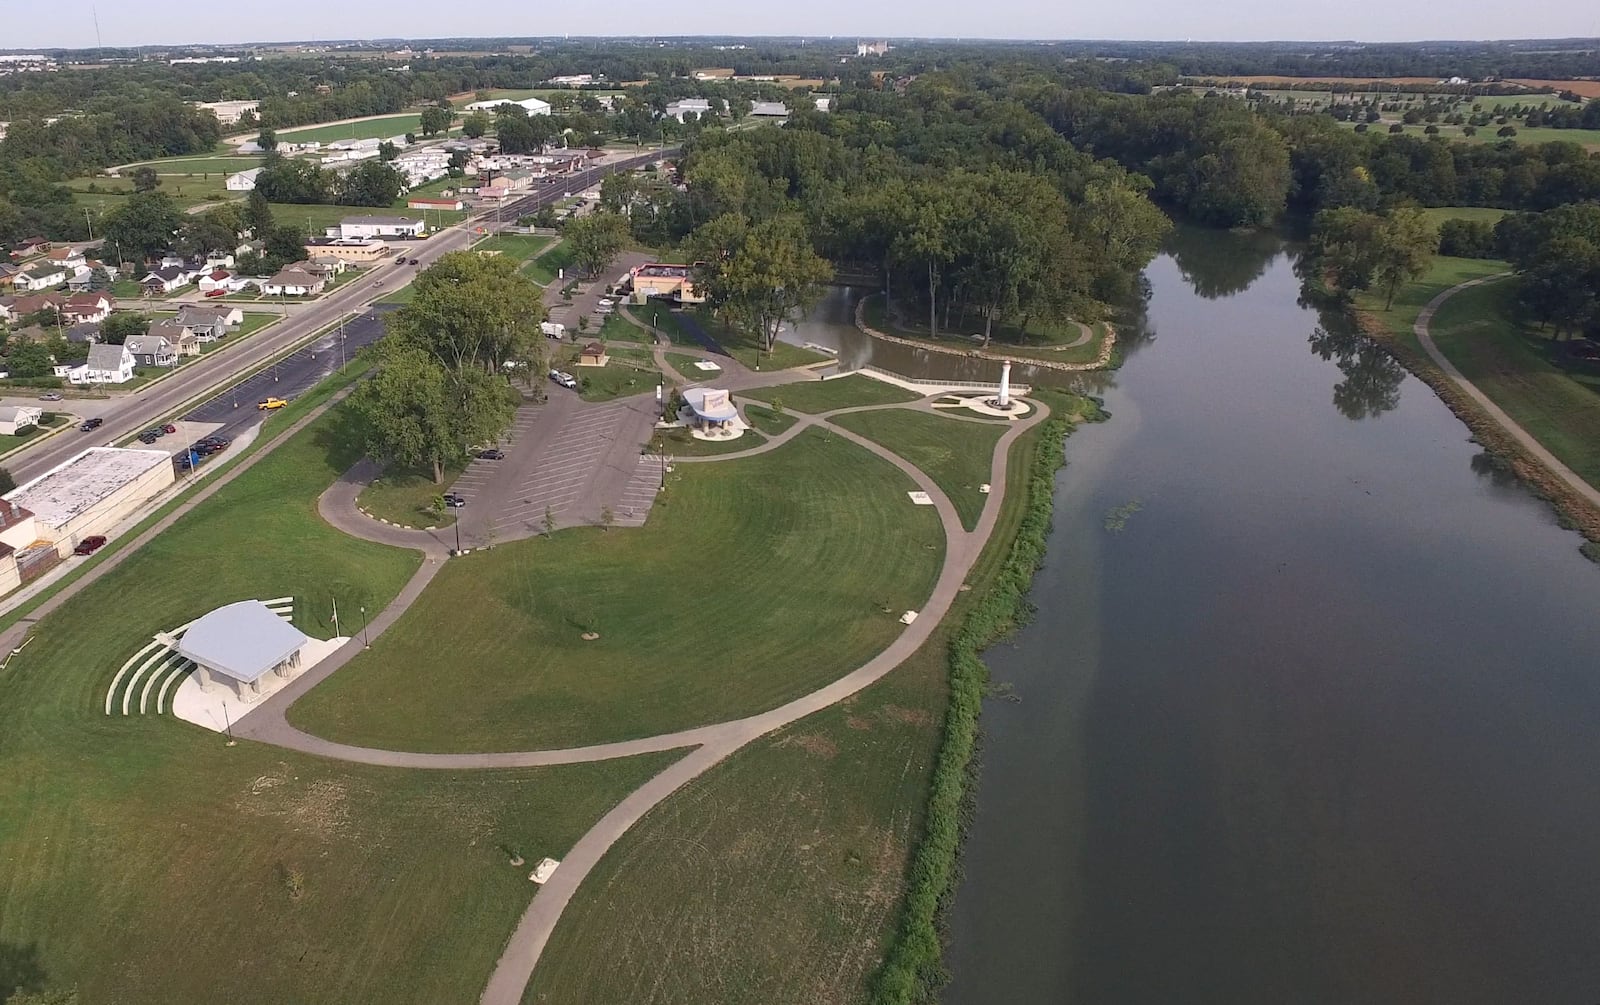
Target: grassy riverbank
{"points": [[1520, 369], [780, 876]]}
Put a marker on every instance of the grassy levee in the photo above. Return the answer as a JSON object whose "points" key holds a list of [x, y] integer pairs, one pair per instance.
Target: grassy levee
{"points": [[754, 581], [324, 881], [913, 968], [778, 877], [1477, 331], [814, 396], [955, 454]]}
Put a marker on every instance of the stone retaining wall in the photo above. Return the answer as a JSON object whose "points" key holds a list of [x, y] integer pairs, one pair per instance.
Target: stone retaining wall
{"points": [[1102, 359]]}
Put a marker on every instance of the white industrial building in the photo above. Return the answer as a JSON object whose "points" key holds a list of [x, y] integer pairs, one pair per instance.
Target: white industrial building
{"points": [[243, 181], [533, 106], [91, 493], [365, 228], [229, 112]]}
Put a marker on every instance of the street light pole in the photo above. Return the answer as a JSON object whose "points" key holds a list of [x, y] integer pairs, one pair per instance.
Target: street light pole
{"points": [[458, 535], [365, 642]]}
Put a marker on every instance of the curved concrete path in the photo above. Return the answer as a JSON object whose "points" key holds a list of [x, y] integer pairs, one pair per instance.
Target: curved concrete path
{"points": [[1526, 439], [712, 743]]}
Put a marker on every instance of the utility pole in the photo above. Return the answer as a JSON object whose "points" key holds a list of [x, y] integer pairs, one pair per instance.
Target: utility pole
{"points": [[88, 222]]}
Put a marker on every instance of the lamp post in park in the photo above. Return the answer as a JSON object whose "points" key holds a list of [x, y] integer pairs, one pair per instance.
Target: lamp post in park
{"points": [[365, 644]]}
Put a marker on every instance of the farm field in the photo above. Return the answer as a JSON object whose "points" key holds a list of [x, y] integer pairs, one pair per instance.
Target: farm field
{"points": [[1488, 214]]}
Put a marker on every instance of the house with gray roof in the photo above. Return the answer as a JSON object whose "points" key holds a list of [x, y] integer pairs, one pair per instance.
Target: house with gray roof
{"points": [[107, 364]]}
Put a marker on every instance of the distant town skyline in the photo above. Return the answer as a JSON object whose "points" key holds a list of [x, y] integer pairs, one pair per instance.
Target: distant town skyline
{"points": [[71, 24]]}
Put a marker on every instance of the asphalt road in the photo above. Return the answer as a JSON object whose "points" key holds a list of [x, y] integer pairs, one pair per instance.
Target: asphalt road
{"points": [[128, 415]]}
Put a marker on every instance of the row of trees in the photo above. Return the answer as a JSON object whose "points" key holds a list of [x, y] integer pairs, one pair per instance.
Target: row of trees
{"points": [[148, 224], [369, 183], [1358, 250], [440, 385], [1557, 257]]}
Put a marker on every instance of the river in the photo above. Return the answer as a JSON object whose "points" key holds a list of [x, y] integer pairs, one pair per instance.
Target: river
{"points": [[1310, 709]]}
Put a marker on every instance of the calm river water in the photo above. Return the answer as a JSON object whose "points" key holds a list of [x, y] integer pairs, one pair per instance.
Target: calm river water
{"points": [[1310, 710]]}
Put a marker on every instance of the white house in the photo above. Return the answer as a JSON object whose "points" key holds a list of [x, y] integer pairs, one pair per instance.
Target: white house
{"points": [[40, 277], [366, 227], [219, 260], [533, 106], [69, 258], [678, 109], [167, 279], [219, 279], [243, 181], [107, 364], [229, 315], [91, 307], [15, 418], [293, 282]]}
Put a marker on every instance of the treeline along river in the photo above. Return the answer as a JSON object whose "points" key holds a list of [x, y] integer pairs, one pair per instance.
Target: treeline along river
{"points": [[1310, 708]]}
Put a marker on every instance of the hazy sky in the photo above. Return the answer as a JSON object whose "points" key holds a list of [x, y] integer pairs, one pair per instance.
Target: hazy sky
{"points": [[26, 23]]}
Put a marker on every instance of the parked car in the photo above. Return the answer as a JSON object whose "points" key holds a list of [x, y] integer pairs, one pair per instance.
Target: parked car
{"points": [[90, 545], [169, 428], [492, 454], [148, 436], [454, 501], [563, 378], [268, 404], [50, 396], [605, 303], [90, 425], [216, 293]]}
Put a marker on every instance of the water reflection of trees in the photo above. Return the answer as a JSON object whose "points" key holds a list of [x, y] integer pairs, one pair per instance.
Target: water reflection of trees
{"points": [[1496, 469], [1221, 263], [1371, 384]]}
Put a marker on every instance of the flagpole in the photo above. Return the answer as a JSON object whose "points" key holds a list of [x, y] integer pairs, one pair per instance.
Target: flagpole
{"points": [[336, 617]]}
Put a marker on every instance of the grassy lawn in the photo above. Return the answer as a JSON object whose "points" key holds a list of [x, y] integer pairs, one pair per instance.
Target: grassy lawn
{"points": [[777, 877], [1040, 342], [317, 219], [158, 830], [955, 454], [618, 379], [669, 322], [1409, 300], [379, 128], [1487, 214], [542, 270], [1517, 367], [815, 551], [405, 498], [522, 247], [681, 443], [617, 328], [401, 296], [101, 194], [767, 421], [223, 165], [684, 363], [825, 395], [748, 348]]}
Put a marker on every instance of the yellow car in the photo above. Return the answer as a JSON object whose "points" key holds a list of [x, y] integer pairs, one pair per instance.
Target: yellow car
{"points": [[270, 403]]}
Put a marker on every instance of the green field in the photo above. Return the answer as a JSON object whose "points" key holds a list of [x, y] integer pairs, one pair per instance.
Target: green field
{"points": [[101, 193], [1409, 300], [331, 882], [204, 165], [954, 453], [316, 219], [522, 247], [407, 497], [1589, 138], [380, 128], [777, 877], [543, 269], [618, 379], [1517, 366], [825, 395], [767, 421], [828, 552]]}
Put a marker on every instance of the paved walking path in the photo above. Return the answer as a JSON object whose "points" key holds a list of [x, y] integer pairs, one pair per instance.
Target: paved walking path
{"points": [[1424, 319], [710, 744]]}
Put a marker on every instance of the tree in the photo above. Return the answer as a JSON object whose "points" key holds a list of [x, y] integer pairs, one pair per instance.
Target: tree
{"points": [[7, 481], [475, 125], [1405, 249], [436, 120], [99, 279], [122, 325], [759, 275], [284, 243], [29, 359], [284, 179], [145, 225], [515, 132], [406, 412], [387, 151], [596, 240], [267, 140], [372, 183], [145, 179], [1344, 242], [473, 312], [257, 214]]}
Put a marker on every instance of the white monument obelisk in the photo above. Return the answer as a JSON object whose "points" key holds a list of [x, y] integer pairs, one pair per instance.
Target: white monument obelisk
{"points": [[1004, 401]]}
